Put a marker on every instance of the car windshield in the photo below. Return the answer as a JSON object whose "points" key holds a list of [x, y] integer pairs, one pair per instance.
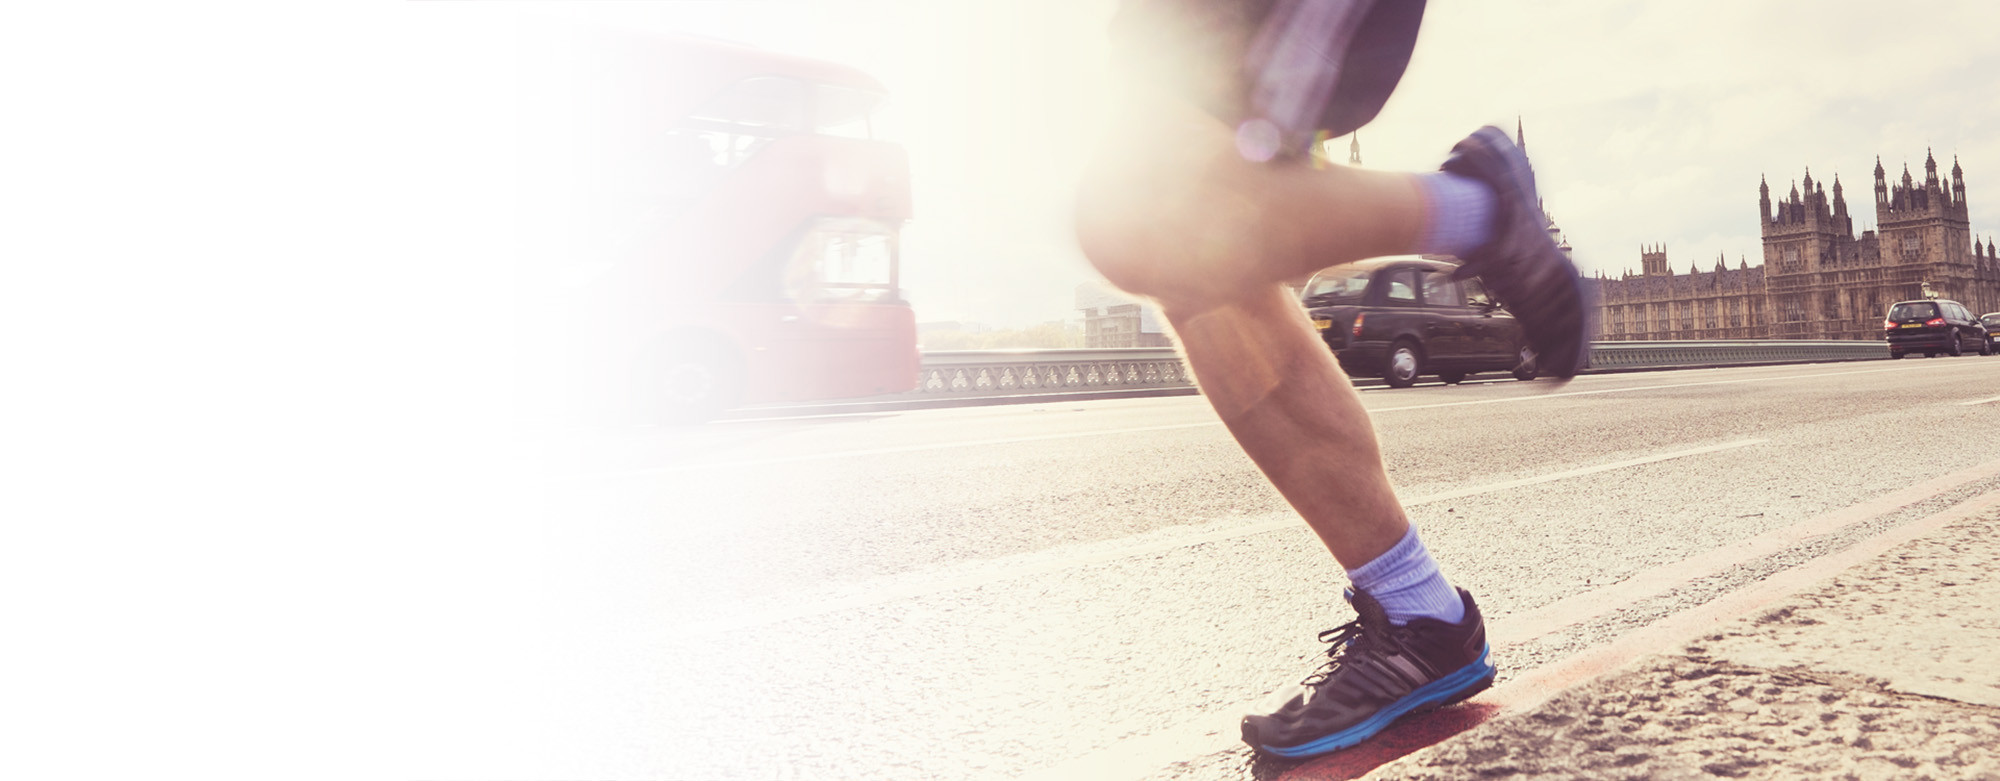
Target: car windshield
{"points": [[1991, 321], [1920, 310], [1346, 284]]}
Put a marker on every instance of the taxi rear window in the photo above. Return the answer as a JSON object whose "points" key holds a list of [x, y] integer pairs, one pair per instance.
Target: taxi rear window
{"points": [[1915, 311], [1337, 285]]}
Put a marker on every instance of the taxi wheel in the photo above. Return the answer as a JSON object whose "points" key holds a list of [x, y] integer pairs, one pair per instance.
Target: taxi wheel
{"points": [[1404, 364], [1524, 368], [1957, 347]]}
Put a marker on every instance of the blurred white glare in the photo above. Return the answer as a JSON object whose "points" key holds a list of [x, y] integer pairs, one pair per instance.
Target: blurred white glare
{"points": [[1257, 140]]}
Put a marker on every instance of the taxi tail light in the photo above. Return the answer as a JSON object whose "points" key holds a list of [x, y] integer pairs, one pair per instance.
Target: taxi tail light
{"points": [[1357, 323], [1935, 322], [1888, 325]]}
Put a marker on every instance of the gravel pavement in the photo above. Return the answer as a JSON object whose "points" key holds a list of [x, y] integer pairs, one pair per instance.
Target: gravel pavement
{"points": [[1885, 670]]}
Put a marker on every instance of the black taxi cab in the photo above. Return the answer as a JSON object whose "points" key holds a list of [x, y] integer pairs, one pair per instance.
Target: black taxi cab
{"points": [[1400, 318], [1933, 327]]}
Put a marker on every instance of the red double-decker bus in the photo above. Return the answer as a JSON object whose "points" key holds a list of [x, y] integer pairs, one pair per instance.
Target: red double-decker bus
{"points": [[726, 226]]}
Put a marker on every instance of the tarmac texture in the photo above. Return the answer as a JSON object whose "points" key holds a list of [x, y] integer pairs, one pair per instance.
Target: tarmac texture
{"points": [[1890, 669]]}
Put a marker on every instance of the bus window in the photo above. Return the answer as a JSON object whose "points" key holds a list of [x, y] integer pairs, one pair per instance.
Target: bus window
{"points": [[844, 260], [860, 266], [846, 112], [767, 105], [747, 115]]}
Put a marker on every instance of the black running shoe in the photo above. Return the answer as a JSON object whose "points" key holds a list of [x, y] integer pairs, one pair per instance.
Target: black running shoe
{"points": [[1521, 265], [1284, 73], [1375, 673]]}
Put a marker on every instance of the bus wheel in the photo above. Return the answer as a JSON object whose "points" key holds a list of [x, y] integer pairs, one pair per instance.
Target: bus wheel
{"points": [[693, 385]]}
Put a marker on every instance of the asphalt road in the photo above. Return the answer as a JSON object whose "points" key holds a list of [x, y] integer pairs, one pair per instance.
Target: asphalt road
{"points": [[1069, 588]]}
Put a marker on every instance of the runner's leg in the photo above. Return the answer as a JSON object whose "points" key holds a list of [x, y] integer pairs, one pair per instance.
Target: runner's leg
{"points": [[1284, 398], [1171, 209]]}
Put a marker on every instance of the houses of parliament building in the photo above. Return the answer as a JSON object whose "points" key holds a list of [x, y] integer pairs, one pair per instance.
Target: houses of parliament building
{"points": [[1818, 280]]}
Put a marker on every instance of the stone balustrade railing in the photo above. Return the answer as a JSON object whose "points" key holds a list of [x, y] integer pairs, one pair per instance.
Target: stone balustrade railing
{"points": [[1631, 356], [982, 373], [1018, 372]]}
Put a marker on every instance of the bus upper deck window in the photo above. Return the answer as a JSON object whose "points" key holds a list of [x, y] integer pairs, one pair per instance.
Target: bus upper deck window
{"points": [[846, 112], [745, 116], [766, 103]]}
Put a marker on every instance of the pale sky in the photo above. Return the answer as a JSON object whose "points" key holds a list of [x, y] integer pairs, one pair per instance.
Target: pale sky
{"points": [[1649, 123]]}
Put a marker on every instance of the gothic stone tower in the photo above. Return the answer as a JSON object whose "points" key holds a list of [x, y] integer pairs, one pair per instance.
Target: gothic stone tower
{"points": [[1810, 255], [1926, 239], [1824, 283]]}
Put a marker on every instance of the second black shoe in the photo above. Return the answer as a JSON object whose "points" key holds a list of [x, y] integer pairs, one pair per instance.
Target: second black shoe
{"points": [[1520, 264]]}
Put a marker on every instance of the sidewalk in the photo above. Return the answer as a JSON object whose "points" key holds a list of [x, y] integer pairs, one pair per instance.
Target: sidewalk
{"points": [[1889, 668]]}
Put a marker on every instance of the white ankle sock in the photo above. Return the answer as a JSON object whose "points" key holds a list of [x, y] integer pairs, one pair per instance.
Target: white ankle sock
{"points": [[1458, 214], [1407, 582]]}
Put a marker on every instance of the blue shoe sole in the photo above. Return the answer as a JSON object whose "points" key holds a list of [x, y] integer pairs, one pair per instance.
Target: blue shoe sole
{"points": [[1459, 685]]}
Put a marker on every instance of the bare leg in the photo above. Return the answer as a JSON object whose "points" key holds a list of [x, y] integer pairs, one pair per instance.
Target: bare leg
{"points": [[1289, 405], [1172, 212]]}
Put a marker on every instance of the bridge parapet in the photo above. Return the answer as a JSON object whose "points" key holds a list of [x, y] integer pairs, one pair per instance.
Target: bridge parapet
{"points": [[969, 373], [1632, 356], [998, 373]]}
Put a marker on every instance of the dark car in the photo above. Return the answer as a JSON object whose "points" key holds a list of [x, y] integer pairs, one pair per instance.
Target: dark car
{"points": [[1933, 327], [1403, 317], [1992, 323]]}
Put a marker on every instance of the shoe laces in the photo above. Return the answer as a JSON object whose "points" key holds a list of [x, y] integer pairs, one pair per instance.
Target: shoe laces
{"points": [[1353, 639]]}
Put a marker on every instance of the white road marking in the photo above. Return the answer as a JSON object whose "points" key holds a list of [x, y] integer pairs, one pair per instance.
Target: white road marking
{"points": [[753, 618], [1589, 470], [1566, 394], [1980, 401], [671, 469]]}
